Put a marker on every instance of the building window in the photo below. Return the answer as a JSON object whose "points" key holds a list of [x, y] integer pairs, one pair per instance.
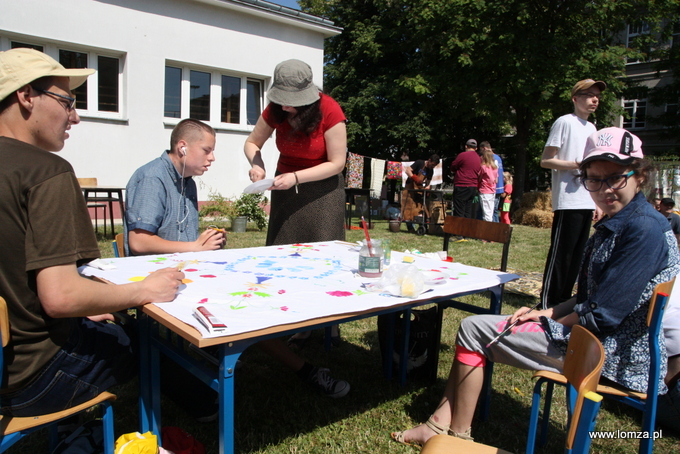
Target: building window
{"points": [[231, 100], [16, 44], [672, 108], [107, 89], [100, 96], [212, 96], [634, 31], [72, 59], [636, 113], [254, 90], [173, 89], [199, 99]]}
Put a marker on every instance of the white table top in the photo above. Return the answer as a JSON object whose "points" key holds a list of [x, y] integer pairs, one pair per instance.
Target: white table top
{"points": [[256, 288]]}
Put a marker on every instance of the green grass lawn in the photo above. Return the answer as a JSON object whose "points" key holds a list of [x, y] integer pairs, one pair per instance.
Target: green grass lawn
{"points": [[277, 414]]}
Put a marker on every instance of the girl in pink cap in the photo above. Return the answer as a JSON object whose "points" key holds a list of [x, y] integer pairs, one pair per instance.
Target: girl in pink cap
{"points": [[631, 251]]}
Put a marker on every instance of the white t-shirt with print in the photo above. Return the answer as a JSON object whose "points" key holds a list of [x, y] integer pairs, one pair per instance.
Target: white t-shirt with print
{"points": [[569, 133]]}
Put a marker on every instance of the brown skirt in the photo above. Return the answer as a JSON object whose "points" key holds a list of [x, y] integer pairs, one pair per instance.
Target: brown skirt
{"points": [[315, 213]]}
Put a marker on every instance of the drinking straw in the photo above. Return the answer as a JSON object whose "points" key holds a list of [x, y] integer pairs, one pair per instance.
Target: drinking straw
{"points": [[368, 238], [512, 325]]}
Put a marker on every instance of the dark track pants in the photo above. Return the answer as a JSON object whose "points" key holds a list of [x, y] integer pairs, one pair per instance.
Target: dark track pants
{"points": [[570, 231]]}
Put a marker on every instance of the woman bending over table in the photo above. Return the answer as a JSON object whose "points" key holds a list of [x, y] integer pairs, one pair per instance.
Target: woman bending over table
{"points": [[308, 193], [631, 251]]}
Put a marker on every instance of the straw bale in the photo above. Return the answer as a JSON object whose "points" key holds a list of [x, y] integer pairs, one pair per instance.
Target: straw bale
{"points": [[533, 217], [540, 200]]}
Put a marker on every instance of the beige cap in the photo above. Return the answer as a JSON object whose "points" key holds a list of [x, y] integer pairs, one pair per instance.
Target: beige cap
{"points": [[22, 66], [586, 84]]}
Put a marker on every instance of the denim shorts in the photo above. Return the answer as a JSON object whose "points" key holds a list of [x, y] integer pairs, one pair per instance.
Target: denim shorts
{"points": [[96, 357]]}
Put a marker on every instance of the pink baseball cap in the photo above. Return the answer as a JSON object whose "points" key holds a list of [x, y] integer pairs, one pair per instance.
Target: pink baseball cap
{"points": [[613, 144]]}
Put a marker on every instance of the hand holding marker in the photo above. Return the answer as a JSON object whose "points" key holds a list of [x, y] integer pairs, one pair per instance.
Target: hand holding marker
{"points": [[509, 327]]}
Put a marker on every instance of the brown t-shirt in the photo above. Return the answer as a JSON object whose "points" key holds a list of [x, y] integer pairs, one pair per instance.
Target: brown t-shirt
{"points": [[44, 222]]}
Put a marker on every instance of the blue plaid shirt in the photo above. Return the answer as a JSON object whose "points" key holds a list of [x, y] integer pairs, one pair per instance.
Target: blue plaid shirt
{"points": [[161, 202]]}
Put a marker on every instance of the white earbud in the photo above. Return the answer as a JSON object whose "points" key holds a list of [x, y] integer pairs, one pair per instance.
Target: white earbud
{"points": [[184, 151]]}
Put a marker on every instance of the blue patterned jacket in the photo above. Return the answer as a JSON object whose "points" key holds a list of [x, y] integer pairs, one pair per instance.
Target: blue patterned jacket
{"points": [[627, 256]]}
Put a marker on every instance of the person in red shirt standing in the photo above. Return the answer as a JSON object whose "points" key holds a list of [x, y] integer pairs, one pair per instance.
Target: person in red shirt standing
{"points": [[308, 192], [465, 169]]}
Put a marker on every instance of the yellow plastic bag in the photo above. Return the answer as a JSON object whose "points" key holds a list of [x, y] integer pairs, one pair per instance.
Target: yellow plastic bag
{"points": [[136, 443]]}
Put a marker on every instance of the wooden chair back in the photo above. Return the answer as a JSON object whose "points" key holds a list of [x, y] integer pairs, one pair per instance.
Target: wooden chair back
{"points": [[582, 367], [4, 327], [119, 245], [665, 288], [479, 230], [87, 181]]}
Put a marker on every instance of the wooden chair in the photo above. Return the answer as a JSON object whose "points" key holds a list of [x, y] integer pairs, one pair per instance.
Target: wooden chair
{"points": [[119, 245], [12, 429], [480, 230], [582, 367], [646, 402], [98, 199], [94, 204]]}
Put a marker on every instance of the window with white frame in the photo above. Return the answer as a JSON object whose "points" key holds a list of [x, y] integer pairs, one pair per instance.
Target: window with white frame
{"points": [[100, 95], [212, 95], [635, 30], [636, 113]]}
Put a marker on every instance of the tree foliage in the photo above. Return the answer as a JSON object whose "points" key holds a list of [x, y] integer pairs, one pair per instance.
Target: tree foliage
{"points": [[423, 76]]}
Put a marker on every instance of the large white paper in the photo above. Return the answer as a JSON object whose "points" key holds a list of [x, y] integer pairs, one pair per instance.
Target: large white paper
{"points": [[256, 288]]}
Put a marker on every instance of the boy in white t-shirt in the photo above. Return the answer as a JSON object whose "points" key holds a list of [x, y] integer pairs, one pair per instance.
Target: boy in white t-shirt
{"points": [[572, 205]]}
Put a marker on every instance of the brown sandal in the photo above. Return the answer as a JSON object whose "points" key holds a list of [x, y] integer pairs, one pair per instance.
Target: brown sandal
{"points": [[464, 435]]}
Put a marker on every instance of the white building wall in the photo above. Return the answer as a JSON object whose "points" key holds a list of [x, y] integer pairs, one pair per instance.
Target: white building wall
{"points": [[208, 34]]}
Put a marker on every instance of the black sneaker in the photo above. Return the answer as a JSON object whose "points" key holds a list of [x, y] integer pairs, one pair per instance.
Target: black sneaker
{"points": [[328, 385]]}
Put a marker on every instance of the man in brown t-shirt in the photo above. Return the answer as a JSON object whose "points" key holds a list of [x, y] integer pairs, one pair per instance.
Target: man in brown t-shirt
{"points": [[60, 352]]}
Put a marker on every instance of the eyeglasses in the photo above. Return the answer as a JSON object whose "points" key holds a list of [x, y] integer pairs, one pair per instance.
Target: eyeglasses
{"points": [[590, 95], [614, 182], [71, 101]]}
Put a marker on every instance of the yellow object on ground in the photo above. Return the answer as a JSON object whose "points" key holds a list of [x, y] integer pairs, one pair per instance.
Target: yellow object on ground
{"points": [[136, 443]]}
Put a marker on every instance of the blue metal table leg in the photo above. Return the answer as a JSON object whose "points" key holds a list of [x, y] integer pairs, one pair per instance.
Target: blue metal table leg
{"points": [[389, 346], [403, 347], [226, 397], [145, 387]]}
